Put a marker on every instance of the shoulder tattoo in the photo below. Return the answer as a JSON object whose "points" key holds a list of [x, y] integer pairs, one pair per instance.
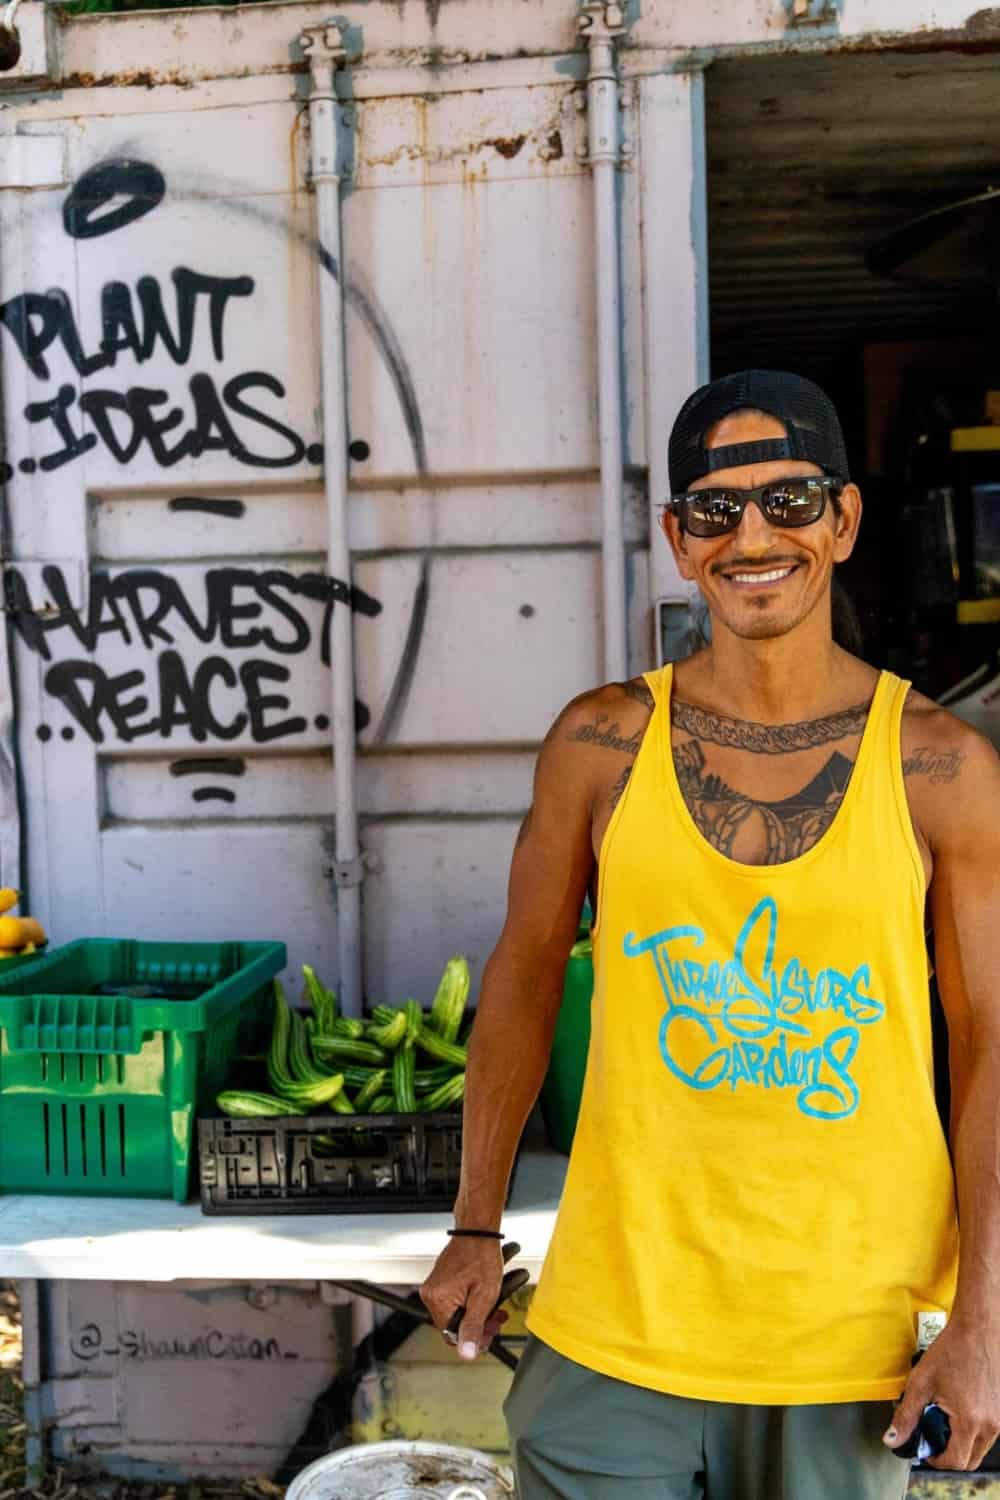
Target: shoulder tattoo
{"points": [[605, 735], [939, 766], [638, 689]]}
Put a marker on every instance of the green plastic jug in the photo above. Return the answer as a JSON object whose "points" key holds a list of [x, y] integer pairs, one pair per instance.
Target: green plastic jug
{"points": [[563, 1086]]}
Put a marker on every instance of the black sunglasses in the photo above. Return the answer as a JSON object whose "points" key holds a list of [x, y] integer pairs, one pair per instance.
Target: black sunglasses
{"points": [[784, 502]]}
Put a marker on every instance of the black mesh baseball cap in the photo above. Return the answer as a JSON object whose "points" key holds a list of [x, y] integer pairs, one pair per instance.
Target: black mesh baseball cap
{"points": [[812, 426]]}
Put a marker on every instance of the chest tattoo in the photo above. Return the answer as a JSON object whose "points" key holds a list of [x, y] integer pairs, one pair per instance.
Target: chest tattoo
{"points": [[777, 831]]}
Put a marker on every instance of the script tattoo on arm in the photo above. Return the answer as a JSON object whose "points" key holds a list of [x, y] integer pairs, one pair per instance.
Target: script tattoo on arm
{"points": [[786, 828], [618, 790], [941, 767], [606, 735], [768, 739]]}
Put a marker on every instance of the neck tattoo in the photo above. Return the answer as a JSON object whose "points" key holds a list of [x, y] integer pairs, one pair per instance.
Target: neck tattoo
{"points": [[767, 739]]}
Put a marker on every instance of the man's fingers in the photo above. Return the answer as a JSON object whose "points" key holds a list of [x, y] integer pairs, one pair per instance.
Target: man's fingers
{"points": [[967, 1446], [444, 1306], [957, 1455], [473, 1329], [904, 1419]]}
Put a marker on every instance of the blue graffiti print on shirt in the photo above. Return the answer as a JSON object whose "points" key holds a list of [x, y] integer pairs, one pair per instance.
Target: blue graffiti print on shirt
{"points": [[749, 1020]]}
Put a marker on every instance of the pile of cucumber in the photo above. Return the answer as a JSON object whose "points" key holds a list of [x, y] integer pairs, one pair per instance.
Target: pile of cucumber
{"points": [[399, 1062]]}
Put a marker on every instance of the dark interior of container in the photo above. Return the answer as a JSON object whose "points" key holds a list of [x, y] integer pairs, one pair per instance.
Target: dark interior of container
{"points": [[818, 166]]}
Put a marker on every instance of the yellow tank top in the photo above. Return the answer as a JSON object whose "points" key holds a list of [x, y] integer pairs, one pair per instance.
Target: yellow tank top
{"points": [[759, 1200]]}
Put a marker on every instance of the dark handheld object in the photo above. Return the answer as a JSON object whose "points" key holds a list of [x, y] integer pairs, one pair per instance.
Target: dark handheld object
{"points": [[512, 1282], [933, 1430]]}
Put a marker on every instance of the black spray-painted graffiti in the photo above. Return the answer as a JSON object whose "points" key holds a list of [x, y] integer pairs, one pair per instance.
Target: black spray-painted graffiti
{"points": [[241, 609], [137, 322], [89, 1343], [123, 188]]}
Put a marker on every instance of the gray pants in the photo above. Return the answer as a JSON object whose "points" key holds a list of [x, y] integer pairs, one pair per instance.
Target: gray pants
{"points": [[577, 1435]]}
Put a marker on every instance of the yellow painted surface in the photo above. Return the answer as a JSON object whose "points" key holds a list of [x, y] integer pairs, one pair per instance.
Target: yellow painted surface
{"points": [[440, 1401], [978, 611], [425, 1391], [975, 439]]}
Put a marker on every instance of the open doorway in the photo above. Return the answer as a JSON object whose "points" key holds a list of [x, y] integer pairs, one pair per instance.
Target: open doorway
{"points": [[817, 164]]}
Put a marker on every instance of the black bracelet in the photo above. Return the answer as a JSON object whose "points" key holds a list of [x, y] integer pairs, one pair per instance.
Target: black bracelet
{"points": [[476, 1234]]}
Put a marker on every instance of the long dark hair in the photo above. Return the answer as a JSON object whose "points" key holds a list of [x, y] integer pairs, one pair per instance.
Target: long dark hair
{"points": [[847, 631]]}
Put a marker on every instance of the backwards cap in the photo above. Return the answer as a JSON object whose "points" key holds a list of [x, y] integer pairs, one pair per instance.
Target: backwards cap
{"points": [[812, 426]]}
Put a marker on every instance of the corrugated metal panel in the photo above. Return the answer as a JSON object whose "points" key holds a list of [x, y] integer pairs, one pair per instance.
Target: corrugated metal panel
{"points": [[812, 159]]}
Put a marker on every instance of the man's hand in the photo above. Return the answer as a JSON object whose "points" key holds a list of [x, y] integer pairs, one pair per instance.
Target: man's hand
{"points": [[960, 1373], [468, 1274]]}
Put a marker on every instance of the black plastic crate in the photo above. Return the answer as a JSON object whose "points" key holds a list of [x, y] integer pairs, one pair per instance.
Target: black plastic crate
{"points": [[333, 1164]]}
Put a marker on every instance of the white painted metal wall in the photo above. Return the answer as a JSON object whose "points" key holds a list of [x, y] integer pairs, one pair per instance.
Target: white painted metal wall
{"points": [[159, 279]]}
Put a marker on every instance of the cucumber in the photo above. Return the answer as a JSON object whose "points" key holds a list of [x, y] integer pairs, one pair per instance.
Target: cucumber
{"points": [[348, 1026], [300, 1064], [345, 1049], [384, 1104], [241, 1104], [356, 1075], [370, 1090], [322, 1000], [414, 1020], [447, 1096], [425, 1080], [278, 1074], [310, 1095], [403, 1068], [436, 1045], [393, 1033], [449, 1003]]}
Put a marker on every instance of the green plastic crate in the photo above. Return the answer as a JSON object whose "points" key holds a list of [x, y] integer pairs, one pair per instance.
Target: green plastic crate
{"points": [[108, 1050]]}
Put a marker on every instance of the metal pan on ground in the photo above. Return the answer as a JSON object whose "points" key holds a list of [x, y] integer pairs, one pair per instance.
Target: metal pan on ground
{"points": [[403, 1471]]}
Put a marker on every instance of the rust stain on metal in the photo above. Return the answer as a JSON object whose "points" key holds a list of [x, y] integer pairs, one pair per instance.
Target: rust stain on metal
{"points": [[980, 34], [293, 148], [508, 145], [180, 78]]}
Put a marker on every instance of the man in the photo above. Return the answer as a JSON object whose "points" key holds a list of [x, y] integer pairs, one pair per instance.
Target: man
{"points": [[758, 1223]]}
